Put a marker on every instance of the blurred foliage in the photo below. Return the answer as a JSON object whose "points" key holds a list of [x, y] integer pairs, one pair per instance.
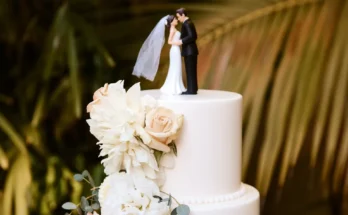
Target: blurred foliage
{"points": [[287, 58]]}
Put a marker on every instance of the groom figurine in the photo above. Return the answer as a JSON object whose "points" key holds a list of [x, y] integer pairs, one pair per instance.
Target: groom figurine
{"points": [[189, 50]]}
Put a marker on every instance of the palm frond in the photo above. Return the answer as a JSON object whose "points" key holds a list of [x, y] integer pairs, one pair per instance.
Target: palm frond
{"points": [[338, 109], [3, 160], [340, 169], [16, 186], [74, 74], [54, 41], [279, 78], [12, 134], [250, 17]]}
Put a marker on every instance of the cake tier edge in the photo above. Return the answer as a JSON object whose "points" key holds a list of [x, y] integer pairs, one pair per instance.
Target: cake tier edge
{"points": [[246, 204]]}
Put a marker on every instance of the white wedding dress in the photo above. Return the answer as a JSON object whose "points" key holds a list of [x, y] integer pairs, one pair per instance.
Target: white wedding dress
{"points": [[173, 84]]}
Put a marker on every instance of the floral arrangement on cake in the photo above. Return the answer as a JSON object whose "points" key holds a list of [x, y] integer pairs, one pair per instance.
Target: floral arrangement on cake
{"points": [[136, 138]]}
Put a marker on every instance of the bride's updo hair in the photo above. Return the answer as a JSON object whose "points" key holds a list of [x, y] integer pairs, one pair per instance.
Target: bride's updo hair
{"points": [[170, 19]]}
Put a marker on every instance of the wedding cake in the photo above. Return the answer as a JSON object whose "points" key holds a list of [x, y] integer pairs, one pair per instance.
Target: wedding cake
{"points": [[165, 154], [170, 151], [207, 171]]}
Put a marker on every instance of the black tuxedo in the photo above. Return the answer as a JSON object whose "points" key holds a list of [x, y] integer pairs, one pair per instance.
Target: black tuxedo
{"points": [[189, 52]]}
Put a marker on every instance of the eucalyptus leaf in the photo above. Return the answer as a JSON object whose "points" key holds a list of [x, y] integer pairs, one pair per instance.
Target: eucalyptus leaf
{"points": [[183, 210], [84, 203], [69, 206], [95, 206], [88, 209], [95, 194], [79, 211], [85, 173], [174, 212], [78, 177]]}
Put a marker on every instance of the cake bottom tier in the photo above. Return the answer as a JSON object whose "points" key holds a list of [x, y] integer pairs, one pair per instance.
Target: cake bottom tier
{"points": [[246, 201]]}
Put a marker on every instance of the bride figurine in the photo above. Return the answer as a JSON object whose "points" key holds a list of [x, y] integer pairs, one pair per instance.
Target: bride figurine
{"points": [[149, 56]]}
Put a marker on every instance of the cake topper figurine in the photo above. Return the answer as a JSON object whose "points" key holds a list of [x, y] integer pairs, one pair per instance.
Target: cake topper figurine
{"points": [[149, 55], [189, 50]]}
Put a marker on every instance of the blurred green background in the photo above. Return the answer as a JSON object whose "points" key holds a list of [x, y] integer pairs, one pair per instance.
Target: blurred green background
{"points": [[289, 59]]}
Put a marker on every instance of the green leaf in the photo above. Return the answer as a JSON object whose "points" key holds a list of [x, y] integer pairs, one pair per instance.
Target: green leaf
{"points": [[88, 209], [158, 155], [183, 210], [174, 212], [79, 211], [95, 206], [78, 177], [57, 31], [84, 203], [40, 108], [85, 173], [13, 135], [74, 72], [95, 194], [69, 206], [172, 145]]}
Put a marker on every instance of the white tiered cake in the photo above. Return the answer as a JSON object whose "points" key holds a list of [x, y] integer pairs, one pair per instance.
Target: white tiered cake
{"points": [[207, 172]]}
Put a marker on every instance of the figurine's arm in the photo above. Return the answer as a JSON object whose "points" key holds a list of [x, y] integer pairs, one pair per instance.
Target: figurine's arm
{"points": [[191, 34], [171, 35]]}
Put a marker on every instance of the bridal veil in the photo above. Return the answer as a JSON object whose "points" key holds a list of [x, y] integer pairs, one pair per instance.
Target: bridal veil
{"points": [[150, 53]]}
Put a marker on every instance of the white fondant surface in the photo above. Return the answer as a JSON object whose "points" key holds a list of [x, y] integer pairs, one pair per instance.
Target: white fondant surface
{"points": [[246, 204], [209, 145], [207, 172]]}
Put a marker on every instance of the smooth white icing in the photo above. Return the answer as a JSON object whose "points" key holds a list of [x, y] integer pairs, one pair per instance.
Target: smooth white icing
{"points": [[209, 145], [215, 198], [246, 204], [207, 172]]}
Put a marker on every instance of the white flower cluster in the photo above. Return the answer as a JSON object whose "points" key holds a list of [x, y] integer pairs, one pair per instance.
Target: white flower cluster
{"points": [[121, 194], [129, 128]]}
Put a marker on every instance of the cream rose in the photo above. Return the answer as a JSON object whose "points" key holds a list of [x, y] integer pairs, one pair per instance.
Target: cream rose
{"points": [[162, 125]]}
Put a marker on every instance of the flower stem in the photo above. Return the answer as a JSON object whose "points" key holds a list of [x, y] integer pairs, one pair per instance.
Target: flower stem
{"points": [[172, 197], [87, 181], [78, 205], [94, 188]]}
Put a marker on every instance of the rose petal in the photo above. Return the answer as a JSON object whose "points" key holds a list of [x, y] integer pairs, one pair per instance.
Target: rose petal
{"points": [[168, 160], [158, 146]]}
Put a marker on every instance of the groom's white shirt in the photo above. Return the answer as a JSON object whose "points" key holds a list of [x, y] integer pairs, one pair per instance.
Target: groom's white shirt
{"points": [[186, 18]]}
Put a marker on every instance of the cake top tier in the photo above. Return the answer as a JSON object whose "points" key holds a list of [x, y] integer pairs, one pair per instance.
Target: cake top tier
{"points": [[202, 96], [209, 145]]}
